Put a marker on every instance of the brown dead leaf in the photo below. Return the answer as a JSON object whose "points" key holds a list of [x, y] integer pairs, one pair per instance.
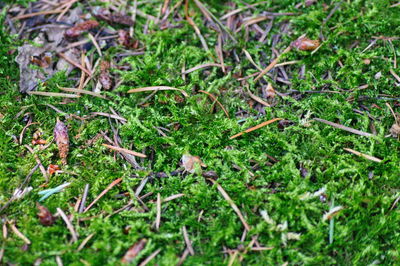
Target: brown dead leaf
{"points": [[45, 216], [52, 168], [39, 142], [305, 44], [134, 250], [62, 140], [80, 28]]}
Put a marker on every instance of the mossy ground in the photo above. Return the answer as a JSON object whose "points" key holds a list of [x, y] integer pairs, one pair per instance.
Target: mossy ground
{"points": [[365, 232]]}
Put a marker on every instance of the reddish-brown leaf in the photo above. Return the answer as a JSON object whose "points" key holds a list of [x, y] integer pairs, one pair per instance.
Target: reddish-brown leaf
{"points": [[52, 169], [62, 140], [305, 44], [134, 250], [80, 28], [45, 216], [39, 141]]}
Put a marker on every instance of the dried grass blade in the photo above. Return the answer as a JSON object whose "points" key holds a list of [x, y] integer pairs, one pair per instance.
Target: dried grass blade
{"points": [[84, 242], [230, 201], [348, 129], [110, 116], [110, 186], [234, 12], [215, 99], [46, 12], [366, 156], [158, 88], [247, 54], [69, 225], [149, 258], [256, 127], [196, 29], [75, 64], [19, 234], [83, 92], [158, 217], [187, 240], [394, 75], [258, 99], [201, 66], [118, 149], [273, 63], [252, 21], [53, 94], [176, 196]]}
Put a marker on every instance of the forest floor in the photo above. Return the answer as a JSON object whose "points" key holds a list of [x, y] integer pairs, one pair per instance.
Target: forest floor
{"points": [[146, 164]]}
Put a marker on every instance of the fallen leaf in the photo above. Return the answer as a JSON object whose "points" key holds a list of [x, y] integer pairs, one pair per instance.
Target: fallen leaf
{"points": [[62, 140], [39, 141], [305, 44], [29, 77], [52, 169], [133, 251], [189, 162], [45, 216], [80, 28]]}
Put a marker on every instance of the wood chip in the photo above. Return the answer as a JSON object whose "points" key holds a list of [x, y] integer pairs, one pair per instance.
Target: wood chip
{"points": [[348, 129], [256, 127], [118, 149], [233, 205], [158, 88], [366, 156], [110, 186]]}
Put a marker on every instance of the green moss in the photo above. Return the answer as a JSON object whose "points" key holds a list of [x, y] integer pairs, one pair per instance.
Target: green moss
{"points": [[365, 232]]}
